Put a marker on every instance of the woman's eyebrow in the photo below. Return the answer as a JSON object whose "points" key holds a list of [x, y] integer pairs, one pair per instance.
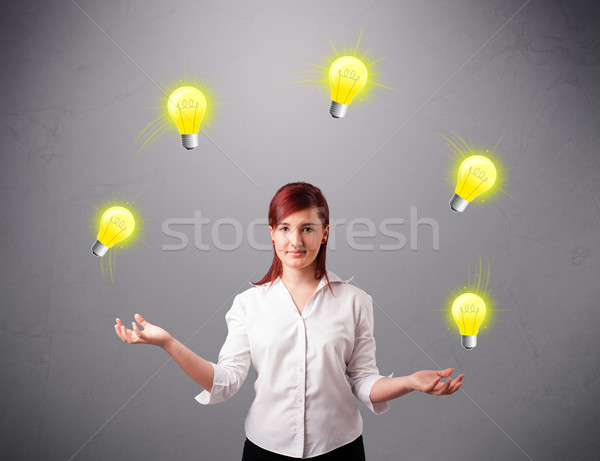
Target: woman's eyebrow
{"points": [[303, 224]]}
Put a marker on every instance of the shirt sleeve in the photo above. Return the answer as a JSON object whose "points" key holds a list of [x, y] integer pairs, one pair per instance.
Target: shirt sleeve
{"points": [[234, 359], [362, 370]]}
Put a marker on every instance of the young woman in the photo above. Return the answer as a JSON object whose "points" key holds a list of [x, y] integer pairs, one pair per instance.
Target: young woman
{"points": [[309, 336]]}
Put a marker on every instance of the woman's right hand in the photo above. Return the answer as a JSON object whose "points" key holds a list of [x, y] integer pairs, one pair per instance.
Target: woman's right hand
{"points": [[151, 334]]}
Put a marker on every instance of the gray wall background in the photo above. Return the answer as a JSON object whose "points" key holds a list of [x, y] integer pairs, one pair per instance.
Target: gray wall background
{"points": [[73, 104]]}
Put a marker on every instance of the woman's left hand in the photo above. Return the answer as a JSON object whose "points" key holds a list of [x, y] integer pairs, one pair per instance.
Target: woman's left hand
{"points": [[430, 382]]}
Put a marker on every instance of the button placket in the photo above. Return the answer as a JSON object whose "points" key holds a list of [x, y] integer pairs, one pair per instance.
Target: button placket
{"points": [[301, 381]]}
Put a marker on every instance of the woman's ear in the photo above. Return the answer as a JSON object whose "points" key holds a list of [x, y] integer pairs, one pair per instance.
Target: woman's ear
{"points": [[271, 231]]}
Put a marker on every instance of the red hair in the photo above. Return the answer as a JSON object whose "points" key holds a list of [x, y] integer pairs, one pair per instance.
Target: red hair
{"points": [[293, 197]]}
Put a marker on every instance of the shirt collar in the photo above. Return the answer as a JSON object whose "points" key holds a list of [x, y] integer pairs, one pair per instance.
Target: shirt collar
{"points": [[333, 278]]}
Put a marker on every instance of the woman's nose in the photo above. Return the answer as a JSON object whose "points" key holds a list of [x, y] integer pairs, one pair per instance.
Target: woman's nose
{"points": [[296, 238]]}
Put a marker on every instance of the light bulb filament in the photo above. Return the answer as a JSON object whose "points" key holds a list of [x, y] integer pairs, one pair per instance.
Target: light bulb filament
{"points": [[479, 174], [351, 75], [470, 309], [184, 106], [116, 221], [119, 222]]}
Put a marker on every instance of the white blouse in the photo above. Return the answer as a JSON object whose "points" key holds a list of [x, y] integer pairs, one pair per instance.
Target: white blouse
{"points": [[308, 367]]}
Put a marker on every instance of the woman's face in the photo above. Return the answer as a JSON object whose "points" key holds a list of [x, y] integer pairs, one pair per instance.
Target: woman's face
{"points": [[298, 238]]}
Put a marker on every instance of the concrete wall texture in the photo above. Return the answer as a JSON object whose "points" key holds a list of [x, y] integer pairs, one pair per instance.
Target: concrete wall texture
{"points": [[81, 79]]}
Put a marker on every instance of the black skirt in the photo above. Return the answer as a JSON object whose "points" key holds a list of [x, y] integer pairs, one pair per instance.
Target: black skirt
{"points": [[354, 451]]}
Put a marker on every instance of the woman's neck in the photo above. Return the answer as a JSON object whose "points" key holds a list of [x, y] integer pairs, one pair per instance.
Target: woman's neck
{"points": [[299, 277]]}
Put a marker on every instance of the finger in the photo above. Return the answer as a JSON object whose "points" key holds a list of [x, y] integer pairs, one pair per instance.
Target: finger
{"points": [[446, 372], [441, 385], [128, 334], [456, 387], [444, 389], [123, 333], [118, 333], [432, 386], [139, 319], [456, 384], [136, 331]]}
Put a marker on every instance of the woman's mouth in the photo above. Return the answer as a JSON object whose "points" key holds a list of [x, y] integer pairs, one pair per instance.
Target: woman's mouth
{"points": [[296, 253]]}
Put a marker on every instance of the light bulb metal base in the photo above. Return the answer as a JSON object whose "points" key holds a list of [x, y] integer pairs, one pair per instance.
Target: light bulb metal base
{"points": [[189, 141], [99, 249], [468, 341], [338, 110], [458, 203]]}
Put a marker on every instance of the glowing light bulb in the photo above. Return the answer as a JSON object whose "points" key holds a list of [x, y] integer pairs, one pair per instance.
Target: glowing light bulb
{"points": [[468, 311], [476, 175], [187, 106], [117, 224], [347, 76]]}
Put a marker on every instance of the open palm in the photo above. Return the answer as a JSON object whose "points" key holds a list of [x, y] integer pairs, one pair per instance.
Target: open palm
{"points": [[151, 334], [430, 382]]}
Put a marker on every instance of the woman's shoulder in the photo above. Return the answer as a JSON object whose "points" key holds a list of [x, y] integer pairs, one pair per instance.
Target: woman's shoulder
{"points": [[253, 293], [353, 291], [345, 288]]}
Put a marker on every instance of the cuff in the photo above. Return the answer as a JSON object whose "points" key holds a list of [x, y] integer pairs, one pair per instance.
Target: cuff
{"points": [[365, 395], [215, 395]]}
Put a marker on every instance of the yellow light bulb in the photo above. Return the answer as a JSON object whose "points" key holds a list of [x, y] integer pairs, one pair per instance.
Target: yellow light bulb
{"points": [[468, 311], [187, 106], [347, 76], [476, 175], [117, 224]]}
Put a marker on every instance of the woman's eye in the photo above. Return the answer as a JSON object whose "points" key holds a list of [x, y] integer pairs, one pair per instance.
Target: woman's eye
{"points": [[285, 228]]}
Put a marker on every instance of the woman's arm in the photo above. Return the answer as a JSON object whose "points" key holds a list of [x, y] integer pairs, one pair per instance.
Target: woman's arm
{"points": [[196, 367], [386, 389], [428, 381]]}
